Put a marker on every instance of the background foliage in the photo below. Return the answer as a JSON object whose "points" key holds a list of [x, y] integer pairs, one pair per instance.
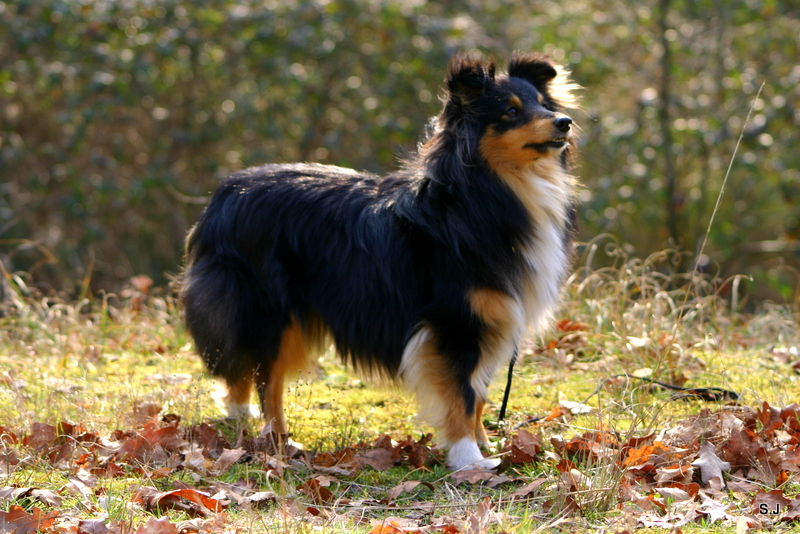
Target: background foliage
{"points": [[118, 117]]}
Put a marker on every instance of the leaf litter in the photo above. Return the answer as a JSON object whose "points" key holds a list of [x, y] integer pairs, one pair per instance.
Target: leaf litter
{"points": [[728, 466]]}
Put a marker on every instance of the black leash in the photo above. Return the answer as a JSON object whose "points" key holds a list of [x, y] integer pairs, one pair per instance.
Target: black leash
{"points": [[503, 407], [707, 394]]}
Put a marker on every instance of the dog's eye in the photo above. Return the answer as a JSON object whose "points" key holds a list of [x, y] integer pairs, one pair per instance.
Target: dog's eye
{"points": [[512, 112]]}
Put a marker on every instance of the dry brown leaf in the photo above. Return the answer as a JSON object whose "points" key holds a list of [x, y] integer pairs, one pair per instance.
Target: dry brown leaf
{"points": [[565, 504], [709, 463], [741, 448], [212, 524], [191, 501], [417, 451], [791, 417], [41, 437], [227, 459], [473, 476], [793, 513], [558, 411], [406, 486], [649, 454], [378, 459], [316, 492], [565, 325], [169, 436], [45, 496], [769, 502], [770, 419], [523, 449], [529, 490], [768, 467], [158, 526], [92, 526], [17, 520], [387, 528], [478, 521]]}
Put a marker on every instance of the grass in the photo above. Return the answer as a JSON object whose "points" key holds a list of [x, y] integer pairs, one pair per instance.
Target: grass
{"points": [[99, 363]]}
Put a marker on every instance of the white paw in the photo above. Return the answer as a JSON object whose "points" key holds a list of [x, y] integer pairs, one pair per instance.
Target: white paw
{"points": [[292, 443], [238, 411], [465, 452], [488, 463]]}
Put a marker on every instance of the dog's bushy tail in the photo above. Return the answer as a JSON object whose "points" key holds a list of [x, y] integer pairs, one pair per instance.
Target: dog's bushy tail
{"points": [[227, 311]]}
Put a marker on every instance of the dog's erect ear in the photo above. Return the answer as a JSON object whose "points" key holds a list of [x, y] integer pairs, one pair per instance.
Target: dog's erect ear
{"points": [[535, 68], [467, 79]]}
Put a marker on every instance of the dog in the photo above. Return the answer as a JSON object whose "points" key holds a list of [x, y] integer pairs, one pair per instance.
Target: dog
{"points": [[429, 275]]}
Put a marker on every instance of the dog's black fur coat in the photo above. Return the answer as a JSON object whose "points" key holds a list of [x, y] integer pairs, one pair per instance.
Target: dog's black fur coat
{"points": [[369, 260]]}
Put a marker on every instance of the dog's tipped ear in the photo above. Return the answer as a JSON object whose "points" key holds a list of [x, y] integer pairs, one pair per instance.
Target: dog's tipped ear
{"points": [[535, 68], [467, 78]]}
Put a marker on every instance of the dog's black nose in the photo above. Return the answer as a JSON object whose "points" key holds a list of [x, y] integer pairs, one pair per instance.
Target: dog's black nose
{"points": [[562, 123]]}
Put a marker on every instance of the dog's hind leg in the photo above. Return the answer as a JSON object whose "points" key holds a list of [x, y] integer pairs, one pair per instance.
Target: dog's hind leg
{"points": [[237, 401], [292, 357]]}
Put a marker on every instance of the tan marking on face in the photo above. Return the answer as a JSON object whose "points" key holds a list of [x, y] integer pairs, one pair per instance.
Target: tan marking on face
{"points": [[508, 150], [515, 165], [516, 102], [540, 98]]}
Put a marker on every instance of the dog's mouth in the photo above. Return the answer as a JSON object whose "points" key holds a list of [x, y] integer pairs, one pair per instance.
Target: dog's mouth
{"points": [[554, 144]]}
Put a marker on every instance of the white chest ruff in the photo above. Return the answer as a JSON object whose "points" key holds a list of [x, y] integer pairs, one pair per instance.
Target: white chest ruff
{"points": [[547, 260], [546, 255]]}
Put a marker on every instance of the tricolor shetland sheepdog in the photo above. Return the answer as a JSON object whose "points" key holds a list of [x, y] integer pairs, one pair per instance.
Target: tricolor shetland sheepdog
{"points": [[429, 275]]}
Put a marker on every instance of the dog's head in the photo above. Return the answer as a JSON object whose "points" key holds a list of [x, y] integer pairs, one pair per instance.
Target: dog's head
{"points": [[511, 119]]}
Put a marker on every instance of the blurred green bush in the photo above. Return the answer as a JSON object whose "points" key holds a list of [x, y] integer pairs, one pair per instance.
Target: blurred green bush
{"points": [[119, 117]]}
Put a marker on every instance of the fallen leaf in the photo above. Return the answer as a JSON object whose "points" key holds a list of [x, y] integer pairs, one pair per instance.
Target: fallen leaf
{"points": [[158, 526], [528, 490], [558, 411], [212, 524], [92, 526], [770, 419], [417, 452], [473, 476], [191, 501], [198, 462], [709, 463], [378, 459], [48, 497], [226, 460], [45, 496], [713, 509], [566, 505], [793, 514], [565, 325], [653, 454], [17, 520], [674, 494], [386, 529], [406, 486], [478, 521], [769, 502], [523, 449], [316, 492]]}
